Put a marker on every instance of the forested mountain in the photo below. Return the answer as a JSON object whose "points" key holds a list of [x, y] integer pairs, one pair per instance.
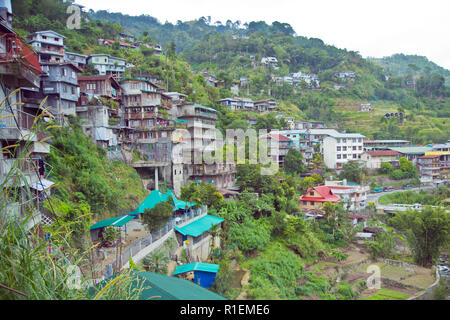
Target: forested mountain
{"points": [[401, 65], [232, 51]]}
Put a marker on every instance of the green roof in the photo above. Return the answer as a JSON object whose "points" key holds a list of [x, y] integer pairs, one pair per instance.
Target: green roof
{"points": [[150, 91], [206, 108], [156, 197], [199, 226], [197, 266], [115, 222], [161, 287], [412, 150]]}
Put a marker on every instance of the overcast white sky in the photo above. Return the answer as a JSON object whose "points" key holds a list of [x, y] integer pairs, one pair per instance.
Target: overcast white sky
{"points": [[375, 28]]}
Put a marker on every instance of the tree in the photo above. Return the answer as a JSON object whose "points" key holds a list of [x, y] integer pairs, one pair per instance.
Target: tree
{"points": [[427, 231], [158, 216], [249, 235], [293, 162], [156, 262], [171, 49], [352, 171], [202, 194], [383, 245], [386, 168]]}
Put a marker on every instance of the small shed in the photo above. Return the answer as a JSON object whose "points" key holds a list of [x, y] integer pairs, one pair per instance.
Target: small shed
{"points": [[199, 227], [204, 273], [97, 229]]}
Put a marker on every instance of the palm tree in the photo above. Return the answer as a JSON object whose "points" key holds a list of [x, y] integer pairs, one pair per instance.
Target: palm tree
{"points": [[156, 262]]}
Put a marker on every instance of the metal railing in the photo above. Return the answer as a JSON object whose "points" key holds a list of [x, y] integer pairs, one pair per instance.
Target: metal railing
{"points": [[141, 244], [24, 120]]}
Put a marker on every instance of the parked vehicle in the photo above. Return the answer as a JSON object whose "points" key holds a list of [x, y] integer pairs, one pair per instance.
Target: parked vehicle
{"points": [[389, 188], [377, 190], [408, 186]]}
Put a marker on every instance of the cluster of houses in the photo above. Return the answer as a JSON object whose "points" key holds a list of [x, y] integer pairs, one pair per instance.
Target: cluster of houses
{"points": [[338, 149], [122, 114], [246, 104], [297, 78]]}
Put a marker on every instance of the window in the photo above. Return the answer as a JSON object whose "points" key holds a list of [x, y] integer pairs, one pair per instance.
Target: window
{"points": [[344, 148], [64, 72], [73, 90], [305, 203], [360, 148], [311, 193], [339, 156], [338, 148], [345, 156], [354, 148], [354, 156], [344, 140], [312, 203]]}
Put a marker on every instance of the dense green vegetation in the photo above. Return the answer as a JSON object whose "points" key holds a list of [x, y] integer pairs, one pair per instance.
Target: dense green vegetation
{"points": [[403, 65], [86, 182], [427, 232], [435, 198]]}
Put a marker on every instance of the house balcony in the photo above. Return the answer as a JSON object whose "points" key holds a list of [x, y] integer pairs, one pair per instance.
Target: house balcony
{"points": [[22, 210], [50, 88], [19, 171], [15, 127], [19, 61]]}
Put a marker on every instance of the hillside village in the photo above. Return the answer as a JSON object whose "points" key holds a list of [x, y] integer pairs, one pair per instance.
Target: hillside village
{"points": [[138, 121]]}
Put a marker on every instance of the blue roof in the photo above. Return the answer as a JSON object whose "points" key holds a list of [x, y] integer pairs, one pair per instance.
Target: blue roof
{"points": [[200, 226], [197, 266]]}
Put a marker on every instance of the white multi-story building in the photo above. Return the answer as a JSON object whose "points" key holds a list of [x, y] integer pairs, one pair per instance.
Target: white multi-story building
{"points": [[353, 195], [338, 149]]}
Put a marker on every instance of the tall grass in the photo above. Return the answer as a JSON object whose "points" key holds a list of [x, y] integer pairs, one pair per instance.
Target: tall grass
{"points": [[31, 267]]}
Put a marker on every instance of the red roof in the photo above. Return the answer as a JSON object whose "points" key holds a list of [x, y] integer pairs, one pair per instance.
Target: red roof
{"points": [[121, 42], [325, 192], [383, 153], [276, 136], [430, 156]]}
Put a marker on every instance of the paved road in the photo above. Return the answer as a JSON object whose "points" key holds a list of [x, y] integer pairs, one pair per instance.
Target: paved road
{"points": [[373, 197]]}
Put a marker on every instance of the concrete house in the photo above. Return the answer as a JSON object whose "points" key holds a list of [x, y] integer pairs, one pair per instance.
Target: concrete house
{"points": [[202, 139], [60, 84], [48, 44], [108, 65], [20, 67], [315, 198], [80, 60], [374, 159]]}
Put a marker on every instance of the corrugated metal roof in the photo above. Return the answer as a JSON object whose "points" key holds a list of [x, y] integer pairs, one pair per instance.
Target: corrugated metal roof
{"points": [[199, 226], [114, 222], [412, 150], [161, 287], [197, 266], [156, 197]]}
